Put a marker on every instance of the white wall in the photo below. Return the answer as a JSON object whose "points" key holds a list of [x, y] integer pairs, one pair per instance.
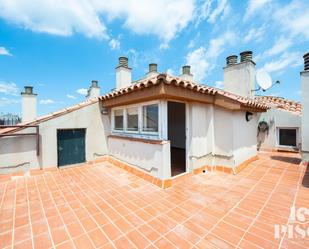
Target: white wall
{"points": [[277, 118], [305, 114], [29, 107], [239, 79], [152, 158], [24, 149]]}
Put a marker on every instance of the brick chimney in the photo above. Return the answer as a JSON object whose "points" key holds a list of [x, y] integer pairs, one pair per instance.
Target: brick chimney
{"points": [[186, 73], [304, 75], [123, 73], [29, 104], [94, 90], [239, 77]]}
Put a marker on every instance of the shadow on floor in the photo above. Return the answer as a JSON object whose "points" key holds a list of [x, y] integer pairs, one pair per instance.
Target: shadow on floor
{"points": [[287, 159], [305, 181]]}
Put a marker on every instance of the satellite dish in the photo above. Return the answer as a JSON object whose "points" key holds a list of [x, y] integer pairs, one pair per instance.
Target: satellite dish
{"points": [[263, 79]]}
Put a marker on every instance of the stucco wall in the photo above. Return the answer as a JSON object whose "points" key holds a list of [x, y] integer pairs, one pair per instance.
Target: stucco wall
{"points": [[151, 158], [305, 114], [19, 150], [277, 118]]}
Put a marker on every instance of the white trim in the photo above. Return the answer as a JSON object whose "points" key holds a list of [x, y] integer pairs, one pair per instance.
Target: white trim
{"points": [[278, 137]]}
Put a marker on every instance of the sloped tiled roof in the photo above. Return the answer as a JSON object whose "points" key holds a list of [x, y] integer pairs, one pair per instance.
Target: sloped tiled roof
{"points": [[176, 81], [280, 103], [51, 115]]}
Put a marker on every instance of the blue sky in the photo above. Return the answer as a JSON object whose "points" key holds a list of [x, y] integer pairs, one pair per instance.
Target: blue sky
{"points": [[60, 46]]}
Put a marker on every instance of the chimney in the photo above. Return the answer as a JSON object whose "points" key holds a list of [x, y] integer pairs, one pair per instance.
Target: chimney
{"points": [[123, 73], [239, 78], [304, 75], [186, 74], [94, 90], [29, 104], [153, 70]]}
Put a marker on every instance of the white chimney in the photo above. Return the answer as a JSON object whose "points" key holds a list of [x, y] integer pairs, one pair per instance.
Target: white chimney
{"points": [[29, 104], [153, 70], [123, 73], [94, 90], [186, 73], [239, 78], [304, 75]]}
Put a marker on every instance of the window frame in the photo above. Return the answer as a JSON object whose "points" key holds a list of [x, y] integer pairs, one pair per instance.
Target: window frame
{"points": [[287, 146], [139, 132], [126, 119]]}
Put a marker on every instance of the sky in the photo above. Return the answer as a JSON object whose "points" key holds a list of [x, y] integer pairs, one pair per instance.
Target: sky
{"points": [[58, 46]]}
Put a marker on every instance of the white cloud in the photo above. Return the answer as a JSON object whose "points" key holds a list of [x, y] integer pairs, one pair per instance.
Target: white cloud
{"points": [[222, 9], [294, 18], [255, 34], [170, 71], [5, 101], [203, 60], [47, 101], [69, 96], [163, 18], [287, 59], [82, 91], [254, 6], [4, 51], [219, 84], [114, 44], [8, 88]]}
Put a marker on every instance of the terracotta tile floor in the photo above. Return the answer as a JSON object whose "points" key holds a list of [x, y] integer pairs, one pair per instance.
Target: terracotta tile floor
{"points": [[102, 206]]}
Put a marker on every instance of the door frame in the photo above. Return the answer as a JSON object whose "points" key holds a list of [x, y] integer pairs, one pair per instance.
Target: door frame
{"points": [[187, 158]]}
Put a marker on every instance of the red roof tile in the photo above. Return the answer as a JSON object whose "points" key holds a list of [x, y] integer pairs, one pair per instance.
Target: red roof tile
{"points": [[280, 103]]}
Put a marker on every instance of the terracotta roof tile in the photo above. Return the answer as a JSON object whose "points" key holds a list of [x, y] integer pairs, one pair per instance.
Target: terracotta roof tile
{"points": [[51, 115], [173, 80], [281, 103]]}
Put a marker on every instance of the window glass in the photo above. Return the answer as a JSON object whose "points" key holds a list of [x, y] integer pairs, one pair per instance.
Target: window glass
{"points": [[132, 119], [287, 137], [150, 118], [118, 119]]}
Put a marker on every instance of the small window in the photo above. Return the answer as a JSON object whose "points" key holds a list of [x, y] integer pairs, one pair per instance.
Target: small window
{"points": [[150, 118], [118, 120], [132, 119], [287, 137]]}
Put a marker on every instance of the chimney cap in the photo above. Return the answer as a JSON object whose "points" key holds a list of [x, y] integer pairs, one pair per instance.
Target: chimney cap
{"points": [[231, 60], [94, 83], [153, 67], [246, 56], [123, 61], [28, 90], [186, 69]]}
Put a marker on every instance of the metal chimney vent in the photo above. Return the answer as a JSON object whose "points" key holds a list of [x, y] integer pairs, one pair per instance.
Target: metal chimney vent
{"points": [[123, 61], [186, 70], [231, 60], [306, 61], [28, 90], [246, 56], [94, 83], [153, 67]]}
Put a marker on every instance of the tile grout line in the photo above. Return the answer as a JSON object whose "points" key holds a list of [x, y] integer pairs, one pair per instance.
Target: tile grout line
{"points": [[14, 205], [294, 201], [221, 219], [88, 213], [265, 203], [28, 204], [42, 206]]}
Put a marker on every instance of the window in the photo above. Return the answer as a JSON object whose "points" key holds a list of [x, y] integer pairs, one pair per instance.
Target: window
{"points": [[287, 137], [118, 120], [150, 118], [132, 119]]}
